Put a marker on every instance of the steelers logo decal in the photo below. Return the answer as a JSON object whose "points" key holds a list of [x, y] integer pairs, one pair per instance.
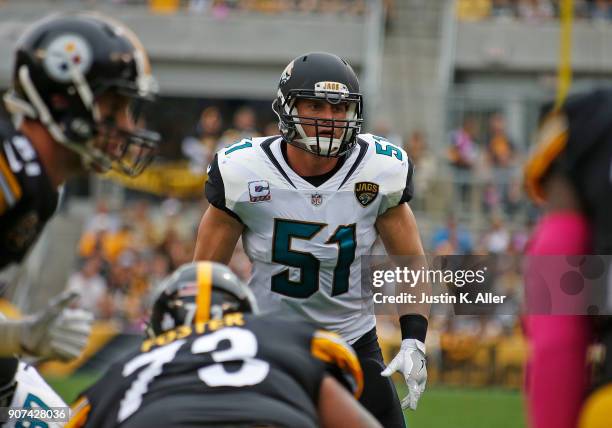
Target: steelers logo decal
{"points": [[64, 53]]}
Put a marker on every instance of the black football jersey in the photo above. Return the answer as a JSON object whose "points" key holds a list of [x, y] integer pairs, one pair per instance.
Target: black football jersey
{"points": [[587, 161], [27, 197], [243, 369], [593, 181]]}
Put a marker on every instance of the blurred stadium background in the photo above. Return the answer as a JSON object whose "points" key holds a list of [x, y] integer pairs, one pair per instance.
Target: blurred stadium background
{"points": [[458, 84]]}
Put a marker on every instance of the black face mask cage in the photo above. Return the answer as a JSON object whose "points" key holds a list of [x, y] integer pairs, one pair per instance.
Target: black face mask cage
{"points": [[130, 152], [172, 306], [351, 127], [222, 303]]}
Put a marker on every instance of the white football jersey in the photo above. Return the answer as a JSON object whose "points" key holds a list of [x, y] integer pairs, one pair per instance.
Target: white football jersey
{"points": [[305, 242], [33, 392]]}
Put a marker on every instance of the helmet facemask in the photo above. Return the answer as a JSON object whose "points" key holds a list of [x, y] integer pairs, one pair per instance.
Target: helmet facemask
{"points": [[292, 124], [128, 151]]}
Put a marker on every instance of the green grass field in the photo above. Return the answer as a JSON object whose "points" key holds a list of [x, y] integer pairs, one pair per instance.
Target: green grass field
{"points": [[438, 408], [467, 408]]}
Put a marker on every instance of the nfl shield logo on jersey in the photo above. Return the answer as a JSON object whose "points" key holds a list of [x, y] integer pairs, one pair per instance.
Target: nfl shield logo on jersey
{"points": [[316, 199], [259, 191], [366, 192]]}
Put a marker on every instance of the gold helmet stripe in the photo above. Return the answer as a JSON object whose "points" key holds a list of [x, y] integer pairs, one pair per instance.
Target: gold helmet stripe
{"points": [[203, 298]]}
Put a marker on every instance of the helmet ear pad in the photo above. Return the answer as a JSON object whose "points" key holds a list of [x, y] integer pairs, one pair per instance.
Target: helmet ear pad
{"points": [[77, 128], [287, 130], [74, 119]]}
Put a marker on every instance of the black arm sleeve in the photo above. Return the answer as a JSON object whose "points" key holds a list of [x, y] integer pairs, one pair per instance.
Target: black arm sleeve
{"points": [[215, 189], [409, 189]]}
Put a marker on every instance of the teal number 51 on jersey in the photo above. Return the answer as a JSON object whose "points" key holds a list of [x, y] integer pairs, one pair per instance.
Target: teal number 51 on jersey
{"points": [[284, 230], [388, 149], [238, 145]]}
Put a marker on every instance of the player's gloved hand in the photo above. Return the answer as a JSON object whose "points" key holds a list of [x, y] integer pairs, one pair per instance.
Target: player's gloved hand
{"points": [[56, 332], [410, 360]]}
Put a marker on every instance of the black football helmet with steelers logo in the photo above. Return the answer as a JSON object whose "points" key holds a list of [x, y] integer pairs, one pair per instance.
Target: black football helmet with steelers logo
{"points": [[62, 66]]}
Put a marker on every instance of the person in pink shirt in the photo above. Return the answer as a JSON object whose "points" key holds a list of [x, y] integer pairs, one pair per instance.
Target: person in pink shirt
{"points": [[569, 174]]}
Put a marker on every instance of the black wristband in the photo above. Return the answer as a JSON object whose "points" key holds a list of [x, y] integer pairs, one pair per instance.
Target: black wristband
{"points": [[413, 326]]}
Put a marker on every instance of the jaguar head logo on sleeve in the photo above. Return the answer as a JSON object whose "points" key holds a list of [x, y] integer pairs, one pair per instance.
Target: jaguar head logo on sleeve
{"points": [[366, 192]]}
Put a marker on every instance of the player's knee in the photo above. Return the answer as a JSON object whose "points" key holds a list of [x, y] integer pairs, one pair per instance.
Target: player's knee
{"points": [[379, 394]]}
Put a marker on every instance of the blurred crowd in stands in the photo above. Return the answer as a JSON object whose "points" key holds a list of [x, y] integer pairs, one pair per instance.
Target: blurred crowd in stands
{"points": [[485, 166], [531, 10], [222, 8], [477, 170], [125, 253], [210, 133]]}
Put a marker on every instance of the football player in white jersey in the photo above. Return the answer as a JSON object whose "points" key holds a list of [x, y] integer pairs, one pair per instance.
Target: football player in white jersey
{"points": [[308, 204], [30, 391]]}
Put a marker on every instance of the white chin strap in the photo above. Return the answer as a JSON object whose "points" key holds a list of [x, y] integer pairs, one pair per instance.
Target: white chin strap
{"points": [[319, 146], [37, 109]]}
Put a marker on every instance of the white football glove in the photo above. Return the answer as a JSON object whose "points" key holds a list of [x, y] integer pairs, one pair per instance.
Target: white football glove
{"points": [[411, 362], [56, 332]]}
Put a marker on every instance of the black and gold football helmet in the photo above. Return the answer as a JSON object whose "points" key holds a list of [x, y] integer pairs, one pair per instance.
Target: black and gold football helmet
{"points": [[62, 67], [197, 292]]}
